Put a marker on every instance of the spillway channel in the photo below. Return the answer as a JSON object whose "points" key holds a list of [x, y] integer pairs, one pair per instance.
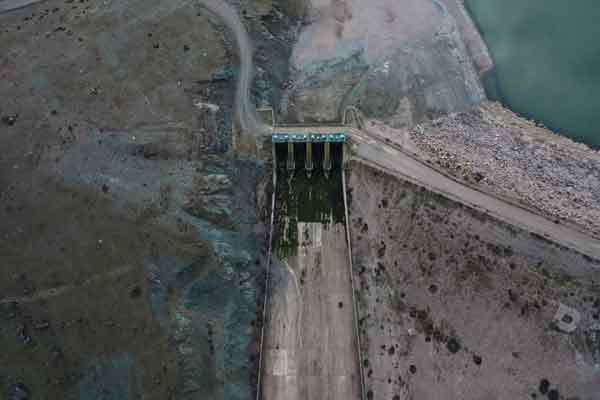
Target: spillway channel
{"points": [[310, 339]]}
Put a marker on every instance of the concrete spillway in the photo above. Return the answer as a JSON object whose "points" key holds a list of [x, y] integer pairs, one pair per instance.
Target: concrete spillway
{"points": [[310, 342]]}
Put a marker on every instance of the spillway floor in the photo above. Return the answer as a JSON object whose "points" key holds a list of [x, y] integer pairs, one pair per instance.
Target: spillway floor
{"points": [[310, 349]]}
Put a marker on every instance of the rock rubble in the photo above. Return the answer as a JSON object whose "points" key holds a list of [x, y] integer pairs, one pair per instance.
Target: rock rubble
{"points": [[503, 153]]}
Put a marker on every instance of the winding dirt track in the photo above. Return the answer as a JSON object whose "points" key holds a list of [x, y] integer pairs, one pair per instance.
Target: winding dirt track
{"points": [[245, 109], [246, 112]]}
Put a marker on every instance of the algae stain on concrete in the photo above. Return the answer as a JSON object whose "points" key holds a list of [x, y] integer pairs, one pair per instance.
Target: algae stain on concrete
{"points": [[302, 199]]}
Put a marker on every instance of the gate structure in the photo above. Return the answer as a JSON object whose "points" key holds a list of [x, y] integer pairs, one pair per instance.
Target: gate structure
{"points": [[324, 150]]}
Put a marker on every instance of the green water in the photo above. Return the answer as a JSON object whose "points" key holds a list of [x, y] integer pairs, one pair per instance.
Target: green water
{"points": [[547, 55]]}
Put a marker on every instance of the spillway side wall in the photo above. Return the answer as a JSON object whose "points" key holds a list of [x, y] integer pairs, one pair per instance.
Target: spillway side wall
{"points": [[354, 303]]}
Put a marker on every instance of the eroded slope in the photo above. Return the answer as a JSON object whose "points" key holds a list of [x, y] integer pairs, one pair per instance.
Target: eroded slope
{"points": [[455, 305]]}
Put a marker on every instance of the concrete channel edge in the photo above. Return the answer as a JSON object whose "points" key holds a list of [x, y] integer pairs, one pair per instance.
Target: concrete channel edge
{"points": [[354, 302]]}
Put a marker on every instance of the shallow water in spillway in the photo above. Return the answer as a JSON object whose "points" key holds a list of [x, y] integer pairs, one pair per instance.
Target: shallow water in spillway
{"points": [[304, 199]]}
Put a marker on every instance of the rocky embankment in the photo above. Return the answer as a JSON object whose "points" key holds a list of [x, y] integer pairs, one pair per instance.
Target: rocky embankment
{"points": [[500, 152]]}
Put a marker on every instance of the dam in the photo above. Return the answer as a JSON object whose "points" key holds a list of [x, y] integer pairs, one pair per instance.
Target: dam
{"points": [[328, 325], [310, 338]]}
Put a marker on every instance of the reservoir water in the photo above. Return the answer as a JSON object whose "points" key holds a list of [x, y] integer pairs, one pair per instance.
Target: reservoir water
{"points": [[547, 55]]}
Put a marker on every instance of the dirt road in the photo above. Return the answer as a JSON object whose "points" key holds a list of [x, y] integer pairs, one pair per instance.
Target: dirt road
{"points": [[245, 108]]}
